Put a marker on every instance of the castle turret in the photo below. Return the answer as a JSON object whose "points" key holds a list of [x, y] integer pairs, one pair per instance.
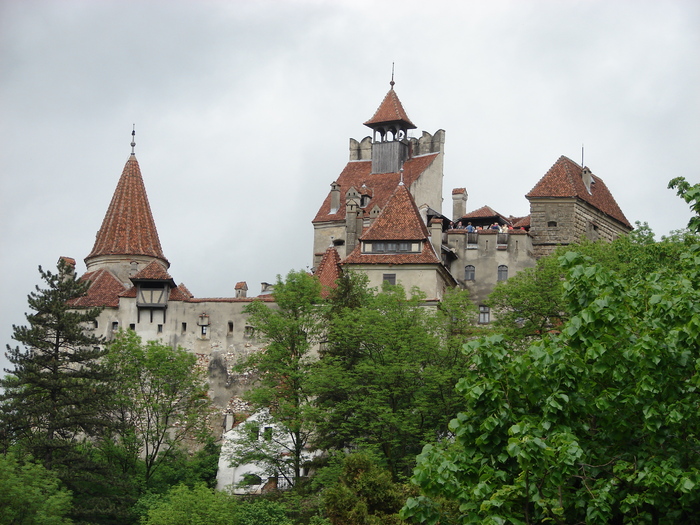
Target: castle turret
{"points": [[128, 240]]}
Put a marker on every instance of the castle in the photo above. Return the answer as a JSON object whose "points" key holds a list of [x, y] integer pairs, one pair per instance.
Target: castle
{"points": [[383, 216]]}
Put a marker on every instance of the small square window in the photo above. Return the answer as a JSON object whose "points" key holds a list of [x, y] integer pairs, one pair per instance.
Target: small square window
{"points": [[389, 278], [484, 314], [132, 326], [115, 326], [160, 328]]}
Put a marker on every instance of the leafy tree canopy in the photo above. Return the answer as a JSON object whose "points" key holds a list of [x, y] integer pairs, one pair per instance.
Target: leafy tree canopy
{"points": [[595, 424]]}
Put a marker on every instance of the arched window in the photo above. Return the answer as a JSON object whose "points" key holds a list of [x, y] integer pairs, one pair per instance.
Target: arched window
{"points": [[469, 273], [502, 272]]}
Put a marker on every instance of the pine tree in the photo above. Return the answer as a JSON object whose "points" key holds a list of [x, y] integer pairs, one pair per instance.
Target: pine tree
{"points": [[55, 394]]}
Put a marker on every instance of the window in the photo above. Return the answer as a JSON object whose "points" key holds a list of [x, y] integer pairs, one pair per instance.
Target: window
{"points": [[389, 278], [132, 326], [267, 434], [502, 272], [115, 326], [95, 324], [205, 329], [552, 224], [160, 328], [230, 327], [249, 331], [484, 314], [469, 272], [184, 328]]}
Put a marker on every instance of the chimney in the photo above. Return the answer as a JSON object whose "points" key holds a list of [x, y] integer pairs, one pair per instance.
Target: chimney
{"points": [[587, 178], [241, 289], [335, 197], [352, 213], [436, 236], [459, 203]]}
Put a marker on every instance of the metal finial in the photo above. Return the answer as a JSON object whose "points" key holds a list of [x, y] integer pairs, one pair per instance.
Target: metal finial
{"points": [[401, 180], [133, 139], [392, 76]]}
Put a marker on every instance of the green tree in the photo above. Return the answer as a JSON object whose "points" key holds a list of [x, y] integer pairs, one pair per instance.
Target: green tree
{"points": [[31, 495], [161, 400], [690, 194], [289, 330], [532, 303], [57, 392], [364, 494], [595, 424], [197, 505], [385, 377]]}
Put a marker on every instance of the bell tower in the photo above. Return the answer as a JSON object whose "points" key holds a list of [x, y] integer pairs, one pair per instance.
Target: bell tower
{"points": [[390, 125]]}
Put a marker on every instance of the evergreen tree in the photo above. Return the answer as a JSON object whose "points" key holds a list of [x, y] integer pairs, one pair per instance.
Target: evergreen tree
{"points": [[55, 394]]}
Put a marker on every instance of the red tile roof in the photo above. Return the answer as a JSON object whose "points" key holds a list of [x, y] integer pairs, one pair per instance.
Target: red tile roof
{"points": [[380, 185], [328, 270], [390, 111], [564, 180], [154, 271], [128, 227], [483, 213], [400, 220], [104, 290]]}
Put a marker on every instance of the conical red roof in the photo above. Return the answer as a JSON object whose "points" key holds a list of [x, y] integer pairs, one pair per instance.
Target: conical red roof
{"points": [[128, 227], [390, 111]]}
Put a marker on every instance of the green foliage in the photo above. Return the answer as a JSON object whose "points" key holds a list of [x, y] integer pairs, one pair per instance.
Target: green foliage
{"points": [[386, 374], [691, 195], [364, 494], [161, 398], [57, 391], [289, 331], [530, 304], [595, 424], [261, 512], [31, 495], [198, 505]]}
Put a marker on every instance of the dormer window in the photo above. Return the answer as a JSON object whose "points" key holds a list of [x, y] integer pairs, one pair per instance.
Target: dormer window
{"points": [[152, 295], [391, 247]]}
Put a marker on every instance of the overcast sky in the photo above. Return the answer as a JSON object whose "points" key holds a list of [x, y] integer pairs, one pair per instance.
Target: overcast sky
{"points": [[243, 112]]}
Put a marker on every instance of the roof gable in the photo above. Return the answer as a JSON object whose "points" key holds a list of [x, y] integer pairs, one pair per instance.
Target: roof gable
{"points": [[328, 270], [400, 220], [154, 271], [104, 290], [128, 227], [564, 180]]}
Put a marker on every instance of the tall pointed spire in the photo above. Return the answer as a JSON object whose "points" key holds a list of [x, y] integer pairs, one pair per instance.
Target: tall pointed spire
{"points": [[128, 230]]}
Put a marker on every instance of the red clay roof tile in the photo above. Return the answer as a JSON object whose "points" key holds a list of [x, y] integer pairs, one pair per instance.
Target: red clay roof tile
{"points": [[389, 111], [400, 220], [153, 271], [381, 185], [104, 290], [128, 227], [564, 180], [328, 270]]}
